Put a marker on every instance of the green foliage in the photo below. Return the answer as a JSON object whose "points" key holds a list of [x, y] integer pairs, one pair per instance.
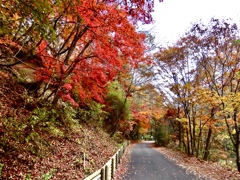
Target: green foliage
{"points": [[1, 167], [89, 167], [161, 136], [94, 113], [117, 106], [117, 102], [17, 14], [118, 138], [147, 137], [48, 175], [51, 120], [15, 129], [236, 42], [45, 119], [28, 177], [67, 116]]}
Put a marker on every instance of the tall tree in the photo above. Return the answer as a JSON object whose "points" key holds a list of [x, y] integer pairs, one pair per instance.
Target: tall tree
{"points": [[217, 55], [205, 64], [73, 47]]}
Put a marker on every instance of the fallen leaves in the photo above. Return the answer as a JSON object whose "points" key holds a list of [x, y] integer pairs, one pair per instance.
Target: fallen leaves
{"points": [[122, 167], [65, 158]]}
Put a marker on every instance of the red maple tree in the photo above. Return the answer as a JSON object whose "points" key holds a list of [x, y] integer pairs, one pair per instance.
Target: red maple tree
{"points": [[95, 39]]}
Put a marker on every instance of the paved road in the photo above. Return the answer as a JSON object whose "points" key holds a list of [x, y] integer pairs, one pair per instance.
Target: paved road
{"points": [[147, 163]]}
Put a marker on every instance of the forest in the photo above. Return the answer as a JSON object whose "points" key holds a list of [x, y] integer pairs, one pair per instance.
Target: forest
{"points": [[79, 77]]}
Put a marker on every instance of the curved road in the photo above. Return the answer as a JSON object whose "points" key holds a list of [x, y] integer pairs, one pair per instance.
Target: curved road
{"points": [[147, 163]]}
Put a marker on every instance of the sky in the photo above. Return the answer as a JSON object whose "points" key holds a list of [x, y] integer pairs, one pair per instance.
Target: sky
{"points": [[173, 17]]}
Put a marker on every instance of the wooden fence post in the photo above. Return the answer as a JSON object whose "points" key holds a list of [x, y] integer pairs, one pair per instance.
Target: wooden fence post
{"points": [[117, 159], [113, 166], [107, 173], [121, 154], [103, 173]]}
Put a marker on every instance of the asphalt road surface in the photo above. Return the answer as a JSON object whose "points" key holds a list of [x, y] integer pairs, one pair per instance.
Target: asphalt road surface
{"points": [[147, 163]]}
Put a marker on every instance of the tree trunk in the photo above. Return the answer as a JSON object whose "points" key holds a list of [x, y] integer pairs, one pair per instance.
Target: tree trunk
{"points": [[199, 140], [179, 128], [237, 157], [188, 144], [194, 137], [237, 139], [208, 140], [183, 142], [236, 146], [207, 147], [179, 134]]}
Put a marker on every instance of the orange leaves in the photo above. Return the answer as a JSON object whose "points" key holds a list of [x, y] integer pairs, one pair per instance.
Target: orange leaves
{"points": [[142, 116], [142, 119], [83, 42]]}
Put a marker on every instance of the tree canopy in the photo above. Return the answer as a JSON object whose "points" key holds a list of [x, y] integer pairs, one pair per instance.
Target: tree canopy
{"points": [[65, 65], [201, 81]]}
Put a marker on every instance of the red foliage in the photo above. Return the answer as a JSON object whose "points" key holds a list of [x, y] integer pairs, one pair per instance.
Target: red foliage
{"points": [[103, 43], [171, 113], [141, 116]]}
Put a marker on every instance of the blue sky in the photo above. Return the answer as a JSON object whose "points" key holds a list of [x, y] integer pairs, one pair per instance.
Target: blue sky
{"points": [[174, 17]]}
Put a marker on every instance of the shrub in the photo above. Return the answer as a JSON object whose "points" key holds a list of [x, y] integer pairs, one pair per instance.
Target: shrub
{"points": [[161, 136]]}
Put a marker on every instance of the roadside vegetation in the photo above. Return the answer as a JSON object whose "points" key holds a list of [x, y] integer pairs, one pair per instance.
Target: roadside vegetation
{"points": [[66, 84], [199, 76], [77, 78]]}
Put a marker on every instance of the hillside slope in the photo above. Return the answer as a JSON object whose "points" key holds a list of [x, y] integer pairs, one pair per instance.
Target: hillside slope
{"points": [[36, 142]]}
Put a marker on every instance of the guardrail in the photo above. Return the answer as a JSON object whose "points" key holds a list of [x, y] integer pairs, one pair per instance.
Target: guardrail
{"points": [[108, 170]]}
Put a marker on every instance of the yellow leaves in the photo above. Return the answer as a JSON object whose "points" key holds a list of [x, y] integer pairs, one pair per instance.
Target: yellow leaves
{"points": [[145, 113], [157, 114], [231, 102], [204, 100], [182, 120], [230, 121], [188, 86], [15, 17], [238, 75]]}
